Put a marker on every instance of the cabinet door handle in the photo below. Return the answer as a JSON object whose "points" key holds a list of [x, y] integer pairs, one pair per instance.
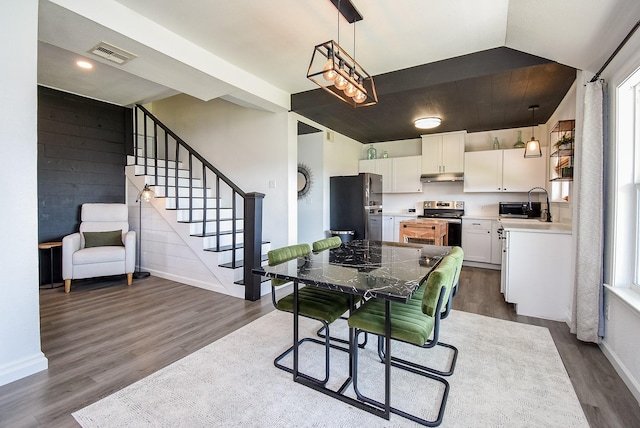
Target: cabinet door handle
{"points": [[476, 224]]}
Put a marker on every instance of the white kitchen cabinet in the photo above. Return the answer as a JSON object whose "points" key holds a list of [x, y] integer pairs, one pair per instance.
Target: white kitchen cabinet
{"points": [[396, 226], [399, 175], [503, 171], [477, 240], [387, 228], [406, 174], [538, 276], [443, 153], [496, 243]]}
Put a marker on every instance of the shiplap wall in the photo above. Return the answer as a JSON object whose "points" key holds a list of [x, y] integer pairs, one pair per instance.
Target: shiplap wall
{"points": [[82, 146]]}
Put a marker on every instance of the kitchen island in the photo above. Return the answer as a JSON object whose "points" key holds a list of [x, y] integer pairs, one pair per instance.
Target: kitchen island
{"points": [[537, 268], [424, 231]]}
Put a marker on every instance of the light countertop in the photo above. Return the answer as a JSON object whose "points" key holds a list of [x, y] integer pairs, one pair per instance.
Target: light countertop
{"points": [[533, 225]]}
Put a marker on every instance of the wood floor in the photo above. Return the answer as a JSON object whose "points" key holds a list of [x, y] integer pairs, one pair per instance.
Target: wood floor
{"points": [[104, 336]]}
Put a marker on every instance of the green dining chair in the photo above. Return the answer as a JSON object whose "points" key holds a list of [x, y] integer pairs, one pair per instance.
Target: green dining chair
{"points": [[326, 244], [416, 322], [319, 304], [458, 255], [318, 247]]}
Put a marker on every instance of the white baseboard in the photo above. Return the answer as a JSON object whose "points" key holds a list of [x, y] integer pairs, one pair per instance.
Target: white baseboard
{"points": [[481, 265], [622, 371], [22, 368]]}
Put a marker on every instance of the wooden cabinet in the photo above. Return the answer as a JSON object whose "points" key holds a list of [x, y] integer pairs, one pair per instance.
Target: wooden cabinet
{"points": [[396, 226], [399, 175], [424, 231], [503, 171], [443, 153], [477, 240]]}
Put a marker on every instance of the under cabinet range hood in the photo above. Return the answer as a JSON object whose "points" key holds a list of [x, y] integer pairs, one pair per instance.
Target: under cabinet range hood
{"points": [[441, 177]]}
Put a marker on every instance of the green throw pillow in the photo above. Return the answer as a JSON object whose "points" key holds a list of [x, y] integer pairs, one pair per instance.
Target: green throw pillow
{"points": [[103, 239]]}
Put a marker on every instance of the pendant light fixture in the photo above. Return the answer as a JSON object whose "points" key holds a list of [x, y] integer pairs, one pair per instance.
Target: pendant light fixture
{"points": [[532, 149], [337, 72]]}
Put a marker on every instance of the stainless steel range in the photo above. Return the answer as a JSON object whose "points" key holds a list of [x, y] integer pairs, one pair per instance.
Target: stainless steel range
{"points": [[449, 211]]}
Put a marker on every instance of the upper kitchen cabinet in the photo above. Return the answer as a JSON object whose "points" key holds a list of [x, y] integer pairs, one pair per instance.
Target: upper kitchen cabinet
{"points": [[503, 171], [399, 175], [443, 153]]}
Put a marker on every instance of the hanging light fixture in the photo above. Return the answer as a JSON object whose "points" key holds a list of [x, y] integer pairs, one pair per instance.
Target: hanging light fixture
{"points": [[337, 72], [532, 149]]}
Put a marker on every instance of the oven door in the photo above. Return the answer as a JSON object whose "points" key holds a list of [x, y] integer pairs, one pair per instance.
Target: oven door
{"points": [[454, 232]]}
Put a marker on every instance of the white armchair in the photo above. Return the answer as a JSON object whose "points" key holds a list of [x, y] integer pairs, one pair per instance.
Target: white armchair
{"points": [[88, 254]]}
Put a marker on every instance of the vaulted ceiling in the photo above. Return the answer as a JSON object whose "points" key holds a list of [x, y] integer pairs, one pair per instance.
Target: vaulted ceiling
{"points": [[476, 63]]}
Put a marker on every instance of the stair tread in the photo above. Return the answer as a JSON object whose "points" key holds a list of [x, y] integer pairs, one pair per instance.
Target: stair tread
{"points": [[210, 220], [222, 232], [240, 263], [229, 247], [262, 279]]}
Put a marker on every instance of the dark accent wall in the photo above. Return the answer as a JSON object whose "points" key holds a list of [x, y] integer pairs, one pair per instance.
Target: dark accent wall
{"points": [[82, 147]]}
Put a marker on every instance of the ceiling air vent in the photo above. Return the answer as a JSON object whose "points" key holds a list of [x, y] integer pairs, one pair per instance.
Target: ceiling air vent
{"points": [[112, 53]]}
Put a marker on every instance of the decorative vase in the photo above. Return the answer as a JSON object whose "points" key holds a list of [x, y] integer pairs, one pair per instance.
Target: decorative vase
{"points": [[519, 144], [371, 152], [496, 143]]}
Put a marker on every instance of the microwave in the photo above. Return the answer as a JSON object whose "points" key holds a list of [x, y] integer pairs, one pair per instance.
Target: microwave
{"points": [[519, 209]]}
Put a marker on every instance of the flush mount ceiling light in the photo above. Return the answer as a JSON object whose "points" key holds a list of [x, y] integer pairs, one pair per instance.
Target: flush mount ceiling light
{"points": [[337, 72], [84, 64], [427, 122], [532, 149]]}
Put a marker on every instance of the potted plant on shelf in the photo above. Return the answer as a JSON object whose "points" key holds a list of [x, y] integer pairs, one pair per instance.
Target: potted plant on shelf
{"points": [[564, 143]]}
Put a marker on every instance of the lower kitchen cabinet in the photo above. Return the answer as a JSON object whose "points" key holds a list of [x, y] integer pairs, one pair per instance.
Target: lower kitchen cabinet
{"points": [[477, 240], [387, 228], [537, 273], [396, 225]]}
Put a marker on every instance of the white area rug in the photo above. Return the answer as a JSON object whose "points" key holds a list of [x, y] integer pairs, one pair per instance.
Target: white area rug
{"points": [[508, 375]]}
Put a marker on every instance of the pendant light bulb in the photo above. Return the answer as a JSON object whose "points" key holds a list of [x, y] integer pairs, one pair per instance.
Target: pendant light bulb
{"points": [[359, 97], [350, 90], [340, 82]]}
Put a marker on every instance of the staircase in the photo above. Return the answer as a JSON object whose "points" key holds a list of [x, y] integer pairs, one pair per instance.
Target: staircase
{"points": [[220, 222]]}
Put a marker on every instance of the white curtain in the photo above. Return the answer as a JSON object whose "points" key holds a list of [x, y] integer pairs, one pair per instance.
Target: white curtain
{"points": [[587, 317]]}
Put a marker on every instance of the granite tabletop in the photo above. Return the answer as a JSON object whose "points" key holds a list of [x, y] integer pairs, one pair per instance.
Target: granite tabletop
{"points": [[387, 270]]}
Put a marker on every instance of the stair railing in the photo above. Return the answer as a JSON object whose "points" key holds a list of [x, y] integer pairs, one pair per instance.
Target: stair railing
{"points": [[156, 159]]}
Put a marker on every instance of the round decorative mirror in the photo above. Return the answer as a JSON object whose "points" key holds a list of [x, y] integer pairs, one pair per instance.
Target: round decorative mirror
{"points": [[304, 180]]}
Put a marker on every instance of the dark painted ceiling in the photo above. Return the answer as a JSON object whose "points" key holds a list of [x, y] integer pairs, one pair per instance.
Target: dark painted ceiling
{"points": [[482, 91]]}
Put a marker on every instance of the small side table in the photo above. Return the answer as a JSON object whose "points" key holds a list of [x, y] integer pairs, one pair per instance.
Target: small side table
{"points": [[50, 246]]}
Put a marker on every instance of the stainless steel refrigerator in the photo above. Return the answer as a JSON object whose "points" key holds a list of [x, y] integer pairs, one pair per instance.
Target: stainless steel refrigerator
{"points": [[356, 205]]}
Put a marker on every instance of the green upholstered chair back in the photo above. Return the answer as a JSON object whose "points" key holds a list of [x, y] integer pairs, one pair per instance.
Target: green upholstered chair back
{"points": [[458, 254], [439, 277], [327, 243], [284, 254]]}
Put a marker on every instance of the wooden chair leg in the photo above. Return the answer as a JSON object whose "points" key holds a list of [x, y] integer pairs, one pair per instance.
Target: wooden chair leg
{"points": [[67, 285], [129, 278]]}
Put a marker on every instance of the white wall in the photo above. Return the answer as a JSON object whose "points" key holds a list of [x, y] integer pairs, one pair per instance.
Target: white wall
{"points": [[20, 353], [310, 208], [249, 146], [621, 343]]}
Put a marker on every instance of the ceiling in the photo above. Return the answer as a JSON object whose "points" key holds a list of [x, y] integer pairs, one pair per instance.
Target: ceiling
{"points": [[476, 63]]}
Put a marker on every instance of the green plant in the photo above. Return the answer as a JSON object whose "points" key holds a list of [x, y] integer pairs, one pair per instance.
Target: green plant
{"points": [[565, 140]]}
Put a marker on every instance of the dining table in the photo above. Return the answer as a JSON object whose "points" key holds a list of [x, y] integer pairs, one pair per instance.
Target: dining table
{"points": [[391, 271]]}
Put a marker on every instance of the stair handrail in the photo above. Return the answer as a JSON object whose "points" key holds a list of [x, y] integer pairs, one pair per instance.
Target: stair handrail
{"points": [[252, 217], [192, 151]]}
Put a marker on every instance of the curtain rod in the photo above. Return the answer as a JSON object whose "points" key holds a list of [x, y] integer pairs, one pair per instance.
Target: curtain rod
{"points": [[626, 39]]}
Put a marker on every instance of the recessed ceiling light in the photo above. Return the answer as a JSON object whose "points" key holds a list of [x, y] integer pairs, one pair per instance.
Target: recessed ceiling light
{"points": [[84, 64], [427, 122]]}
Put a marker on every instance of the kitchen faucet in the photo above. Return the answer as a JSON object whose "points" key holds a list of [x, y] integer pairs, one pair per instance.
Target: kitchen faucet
{"points": [[548, 205]]}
